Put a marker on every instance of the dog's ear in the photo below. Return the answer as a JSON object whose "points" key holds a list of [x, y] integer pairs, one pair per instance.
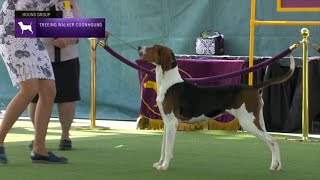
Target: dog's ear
{"points": [[165, 58]]}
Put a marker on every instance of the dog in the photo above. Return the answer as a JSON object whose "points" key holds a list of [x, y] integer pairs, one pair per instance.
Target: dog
{"points": [[181, 100], [25, 27]]}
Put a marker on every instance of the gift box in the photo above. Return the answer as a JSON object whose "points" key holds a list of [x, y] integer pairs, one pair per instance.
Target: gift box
{"points": [[210, 43]]}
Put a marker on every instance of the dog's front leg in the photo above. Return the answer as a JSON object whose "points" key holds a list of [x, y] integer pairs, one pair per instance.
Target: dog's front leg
{"points": [[171, 124], [159, 163]]}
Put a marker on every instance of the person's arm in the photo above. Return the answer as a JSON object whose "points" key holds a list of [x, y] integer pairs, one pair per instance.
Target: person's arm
{"points": [[68, 13], [25, 5], [76, 9], [67, 9]]}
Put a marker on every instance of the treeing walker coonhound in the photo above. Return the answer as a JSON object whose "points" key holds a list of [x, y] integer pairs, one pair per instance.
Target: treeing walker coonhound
{"points": [[178, 99]]}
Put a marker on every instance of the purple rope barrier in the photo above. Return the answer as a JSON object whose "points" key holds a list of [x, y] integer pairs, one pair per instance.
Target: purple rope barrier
{"points": [[315, 47], [244, 71], [205, 79]]}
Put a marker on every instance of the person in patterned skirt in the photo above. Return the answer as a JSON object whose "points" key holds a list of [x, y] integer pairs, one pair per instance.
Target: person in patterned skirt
{"points": [[30, 69]]}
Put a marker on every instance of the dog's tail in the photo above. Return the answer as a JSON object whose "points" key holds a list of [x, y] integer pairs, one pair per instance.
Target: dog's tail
{"points": [[280, 79]]}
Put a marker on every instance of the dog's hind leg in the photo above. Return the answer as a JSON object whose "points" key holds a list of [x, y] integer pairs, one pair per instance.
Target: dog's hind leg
{"points": [[261, 119], [171, 124], [272, 144], [246, 120], [274, 147]]}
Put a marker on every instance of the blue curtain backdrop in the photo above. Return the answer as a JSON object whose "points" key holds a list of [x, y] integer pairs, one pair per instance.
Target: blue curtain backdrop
{"points": [[175, 23]]}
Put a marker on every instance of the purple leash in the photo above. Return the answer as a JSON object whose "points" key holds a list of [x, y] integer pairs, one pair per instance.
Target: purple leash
{"points": [[204, 79], [127, 62]]}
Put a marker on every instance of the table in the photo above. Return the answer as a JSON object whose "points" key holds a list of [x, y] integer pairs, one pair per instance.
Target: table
{"points": [[150, 117]]}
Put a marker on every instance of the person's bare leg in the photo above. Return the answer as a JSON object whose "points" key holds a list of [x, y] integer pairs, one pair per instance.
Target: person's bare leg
{"points": [[47, 93], [31, 111], [28, 89], [66, 114]]}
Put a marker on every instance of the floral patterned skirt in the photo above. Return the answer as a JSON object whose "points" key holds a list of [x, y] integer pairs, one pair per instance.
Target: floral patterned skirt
{"points": [[25, 58]]}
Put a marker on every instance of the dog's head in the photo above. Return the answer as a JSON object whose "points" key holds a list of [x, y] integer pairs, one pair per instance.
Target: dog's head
{"points": [[20, 23], [159, 55]]}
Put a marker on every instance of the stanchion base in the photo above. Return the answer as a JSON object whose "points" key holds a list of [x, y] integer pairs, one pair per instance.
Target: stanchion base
{"points": [[300, 139], [93, 128]]}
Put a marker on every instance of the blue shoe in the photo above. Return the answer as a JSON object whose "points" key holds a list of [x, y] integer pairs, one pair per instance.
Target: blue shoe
{"points": [[65, 144], [31, 145], [50, 159], [3, 157]]}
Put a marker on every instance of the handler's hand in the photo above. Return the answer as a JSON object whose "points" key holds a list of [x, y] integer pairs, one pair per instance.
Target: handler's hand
{"points": [[63, 42]]}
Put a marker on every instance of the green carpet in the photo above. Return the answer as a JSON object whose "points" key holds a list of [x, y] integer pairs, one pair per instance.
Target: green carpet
{"points": [[125, 155]]}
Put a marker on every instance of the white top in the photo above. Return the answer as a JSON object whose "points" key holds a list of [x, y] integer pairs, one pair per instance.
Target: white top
{"points": [[70, 51]]}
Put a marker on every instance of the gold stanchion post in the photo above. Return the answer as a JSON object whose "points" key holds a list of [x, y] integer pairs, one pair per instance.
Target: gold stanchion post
{"points": [[93, 82], [305, 89], [93, 47], [305, 84]]}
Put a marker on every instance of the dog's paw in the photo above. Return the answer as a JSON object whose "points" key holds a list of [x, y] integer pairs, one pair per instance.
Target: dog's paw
{"points": [[155, 165], [162, 167], [275, 166]]}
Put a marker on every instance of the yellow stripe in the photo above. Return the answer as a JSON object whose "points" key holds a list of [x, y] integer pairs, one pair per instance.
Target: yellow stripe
{"points": [[287, 23]]}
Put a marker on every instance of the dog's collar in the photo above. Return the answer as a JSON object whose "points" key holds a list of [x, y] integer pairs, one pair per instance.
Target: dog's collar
{"points": [[173, 61], [173, 64]]}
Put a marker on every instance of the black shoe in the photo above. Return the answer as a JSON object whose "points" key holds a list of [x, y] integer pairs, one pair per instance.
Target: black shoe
{"points": [[65, 144], [31, 145], [3, 157], [50, 159]]}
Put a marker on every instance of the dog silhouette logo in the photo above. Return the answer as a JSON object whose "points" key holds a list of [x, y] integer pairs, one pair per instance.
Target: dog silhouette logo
{"points": [[26, 27]]}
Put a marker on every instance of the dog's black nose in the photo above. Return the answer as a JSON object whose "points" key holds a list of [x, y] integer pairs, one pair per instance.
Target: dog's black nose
{"points": [[139, 48]]}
